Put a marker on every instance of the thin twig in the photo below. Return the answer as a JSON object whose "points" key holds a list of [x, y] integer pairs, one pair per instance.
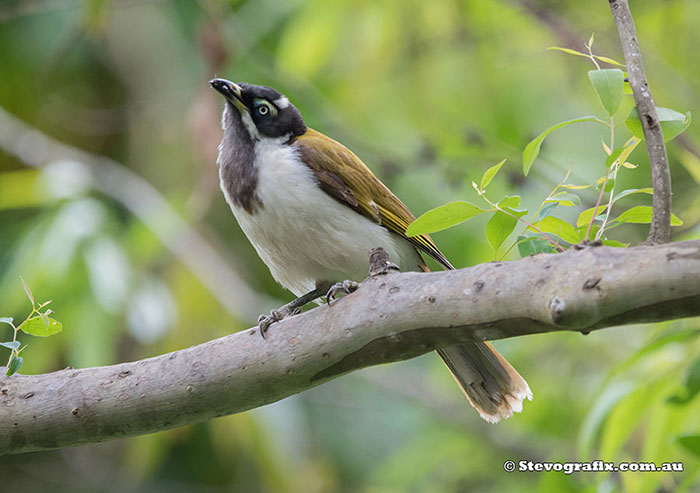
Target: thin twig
{"points": [[534, 215], [597, 203], [660, 230], [532, 226], [599, 234], [519, 219]]}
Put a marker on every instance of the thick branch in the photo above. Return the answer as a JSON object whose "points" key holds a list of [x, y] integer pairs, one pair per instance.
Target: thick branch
{"points": [[660, 230], [390, 318]]}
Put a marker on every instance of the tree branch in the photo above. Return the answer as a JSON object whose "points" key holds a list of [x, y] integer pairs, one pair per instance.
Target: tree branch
{"points": [[390, 318], [660, 230]]}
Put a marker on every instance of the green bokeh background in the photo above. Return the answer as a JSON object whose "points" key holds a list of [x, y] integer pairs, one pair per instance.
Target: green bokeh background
{"points": [[429, 94]]}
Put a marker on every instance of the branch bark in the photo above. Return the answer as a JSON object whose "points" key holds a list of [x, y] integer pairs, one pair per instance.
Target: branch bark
{"points": [[390, 318], [660, 231]]}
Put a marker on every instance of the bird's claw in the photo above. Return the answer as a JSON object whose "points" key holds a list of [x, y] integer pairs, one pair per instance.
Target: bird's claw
{"points": [[587, 243], [345, 287], [264, 321]]}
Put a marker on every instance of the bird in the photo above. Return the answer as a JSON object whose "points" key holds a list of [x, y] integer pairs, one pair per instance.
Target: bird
{"points": [[313, 210]]}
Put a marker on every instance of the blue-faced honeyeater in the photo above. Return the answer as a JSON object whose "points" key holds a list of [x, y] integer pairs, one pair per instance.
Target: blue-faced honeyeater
{"points": [[313, 210]]}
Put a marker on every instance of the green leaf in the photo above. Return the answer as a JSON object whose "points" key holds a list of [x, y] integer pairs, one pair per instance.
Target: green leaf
{"points": [[614, 156], [14, 345], [515, 212], [547, 210], [499, 227], [571, 186], [6, 320], [489, 174], [609, 185], [608, 85], [530, 245], [532, 150], [28, 291], [443, 217], [585, 217], [591, 234], [690, 442], [37, 326], [565, 198], [568, 51], [562, 229], [45, 318], [608, 60], [642, 214], [627, 149], [631, 191], [509, 202], [15, 363], [672, 122]]}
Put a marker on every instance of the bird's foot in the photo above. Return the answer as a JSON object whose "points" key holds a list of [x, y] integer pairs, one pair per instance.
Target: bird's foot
{"points": [[587, 243], [345, 287], [291, 308], [264, 321]]}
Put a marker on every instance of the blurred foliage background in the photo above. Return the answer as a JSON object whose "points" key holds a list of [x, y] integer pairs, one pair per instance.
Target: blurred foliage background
{"points": [[132, 240]]}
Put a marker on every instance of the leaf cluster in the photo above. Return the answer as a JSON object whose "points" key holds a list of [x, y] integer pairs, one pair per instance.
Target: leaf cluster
{"points": [[543, 232], [38, 323]]}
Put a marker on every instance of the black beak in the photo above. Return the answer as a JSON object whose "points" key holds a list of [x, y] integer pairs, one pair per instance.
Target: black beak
{"points": [[230, 90]]}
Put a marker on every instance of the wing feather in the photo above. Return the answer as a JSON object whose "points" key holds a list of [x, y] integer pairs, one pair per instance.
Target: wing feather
{"points": [[344, 176]]}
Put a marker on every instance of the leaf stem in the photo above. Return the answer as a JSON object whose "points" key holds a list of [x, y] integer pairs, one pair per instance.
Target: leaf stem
{"points": [[14, 352], [592, 56], [611, 124], [534, 215], [599, 234], [527, 223], [14, 339]]}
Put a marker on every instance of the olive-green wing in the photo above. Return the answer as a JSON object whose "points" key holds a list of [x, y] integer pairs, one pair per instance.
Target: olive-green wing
{"points": [[344, 176]]}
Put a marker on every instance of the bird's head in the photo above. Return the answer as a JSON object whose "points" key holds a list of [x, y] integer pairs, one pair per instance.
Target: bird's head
{"points": [[261, 111]]}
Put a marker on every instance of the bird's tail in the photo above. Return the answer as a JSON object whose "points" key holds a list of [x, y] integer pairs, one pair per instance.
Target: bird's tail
{"points": [[491, 384]]}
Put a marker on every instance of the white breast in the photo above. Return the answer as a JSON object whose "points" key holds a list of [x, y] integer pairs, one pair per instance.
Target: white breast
{"points": [[305, 236]]}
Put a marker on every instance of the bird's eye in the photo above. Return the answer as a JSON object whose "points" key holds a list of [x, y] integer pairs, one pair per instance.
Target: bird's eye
{"points": [[264, 108]]}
